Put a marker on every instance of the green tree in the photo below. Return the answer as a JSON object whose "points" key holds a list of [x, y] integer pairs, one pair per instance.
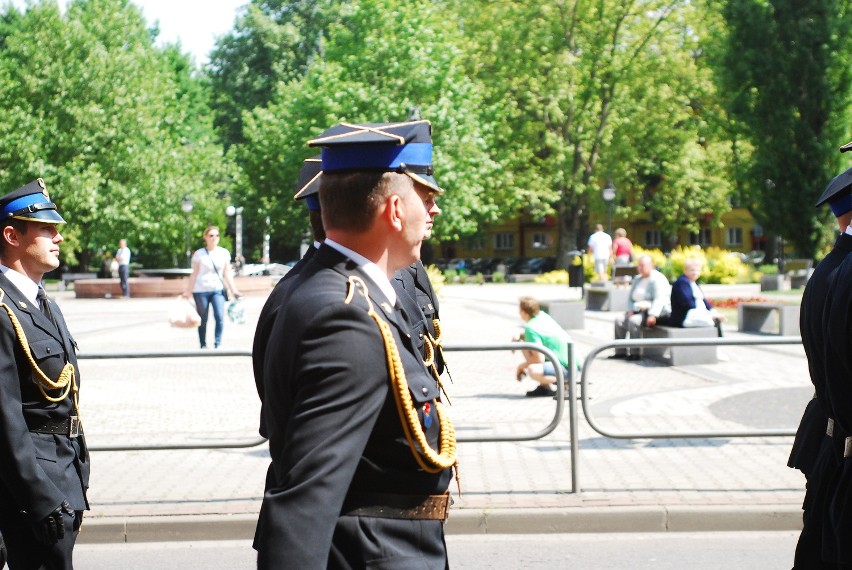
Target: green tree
{"points": [[272, 41], [116, 127], [380, 62], [789, 88], [588, 91]]}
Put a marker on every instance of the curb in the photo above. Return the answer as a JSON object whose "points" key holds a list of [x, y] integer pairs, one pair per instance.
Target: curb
{"points": [[656, 518]]}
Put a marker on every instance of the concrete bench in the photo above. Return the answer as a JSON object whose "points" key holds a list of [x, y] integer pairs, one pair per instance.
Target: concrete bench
{"points": [[680, 355], [769, 318], [607, 298], [68, 278], [795, 276], [569, 314], [798, 271], [623, 274]]}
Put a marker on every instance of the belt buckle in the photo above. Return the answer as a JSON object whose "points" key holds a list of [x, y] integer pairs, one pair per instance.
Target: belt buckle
{"points": [[74, 426]]}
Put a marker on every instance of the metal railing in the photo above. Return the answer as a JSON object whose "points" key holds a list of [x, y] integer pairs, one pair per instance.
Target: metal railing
{"points": [[665, 343], [231, 444], [562, 384]]}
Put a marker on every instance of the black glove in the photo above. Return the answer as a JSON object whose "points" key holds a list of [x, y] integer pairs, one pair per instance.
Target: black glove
{"points": [[2, 552], [51, 528]]}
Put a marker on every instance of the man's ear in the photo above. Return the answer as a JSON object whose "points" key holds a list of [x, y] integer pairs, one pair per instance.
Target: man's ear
{"points": [[394, 211], [10, 236]]}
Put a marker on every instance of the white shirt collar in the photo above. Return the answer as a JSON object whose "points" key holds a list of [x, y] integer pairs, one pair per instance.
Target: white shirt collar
{"points": [[373, 271], [25, 285], [849, 230]]}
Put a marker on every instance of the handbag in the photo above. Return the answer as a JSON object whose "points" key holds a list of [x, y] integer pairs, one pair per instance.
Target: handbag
{"points": [[216, 269], [698, 317], [182, 314]]}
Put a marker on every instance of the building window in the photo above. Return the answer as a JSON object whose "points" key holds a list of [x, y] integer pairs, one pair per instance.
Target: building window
{"points": [[504, 240], [653, 238], [733, 236], [476, 244], [541, 240], [703, 237]]}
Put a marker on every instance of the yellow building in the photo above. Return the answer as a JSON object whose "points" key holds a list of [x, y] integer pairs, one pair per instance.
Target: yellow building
{"points": [[538, 237]]}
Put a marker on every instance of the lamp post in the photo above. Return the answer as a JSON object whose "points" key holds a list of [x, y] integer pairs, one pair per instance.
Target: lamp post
{"points": [[238, 231], [608, 194], [186, 206]]}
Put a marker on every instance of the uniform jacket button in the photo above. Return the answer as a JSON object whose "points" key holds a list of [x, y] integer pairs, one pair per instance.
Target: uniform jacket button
{"points": [[425, 390]]}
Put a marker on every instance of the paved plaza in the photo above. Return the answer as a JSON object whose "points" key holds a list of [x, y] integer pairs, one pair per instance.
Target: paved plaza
{"points": [[523, 486]]}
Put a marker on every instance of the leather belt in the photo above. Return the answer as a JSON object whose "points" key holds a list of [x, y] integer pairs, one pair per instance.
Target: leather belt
{"points": [[391, 506], [72, 427]]}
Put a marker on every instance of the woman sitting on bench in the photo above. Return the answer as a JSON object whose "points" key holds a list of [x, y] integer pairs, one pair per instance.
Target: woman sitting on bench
{"points": [[690, 307]]}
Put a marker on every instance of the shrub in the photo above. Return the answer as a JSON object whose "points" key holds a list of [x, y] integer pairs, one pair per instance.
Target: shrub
{"points": [[560, 276], [498, 277], [436, 278]]}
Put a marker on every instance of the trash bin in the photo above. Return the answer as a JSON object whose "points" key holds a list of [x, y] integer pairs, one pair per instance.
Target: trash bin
{"points": [[576, 275]]}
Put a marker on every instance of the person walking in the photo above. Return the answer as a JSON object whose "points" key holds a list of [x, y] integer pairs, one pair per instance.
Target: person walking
{"points": [[209, 283], [362, 452], [600, 246], [622, 248], [44, 462], [122, 256]]}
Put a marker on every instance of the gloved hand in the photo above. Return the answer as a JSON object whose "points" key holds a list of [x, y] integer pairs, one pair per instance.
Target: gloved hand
{"points": [[2, 552], [51, 528]]}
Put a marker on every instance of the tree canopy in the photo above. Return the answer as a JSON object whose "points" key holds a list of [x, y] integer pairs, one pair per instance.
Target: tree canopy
{"points": [[118, 129]]}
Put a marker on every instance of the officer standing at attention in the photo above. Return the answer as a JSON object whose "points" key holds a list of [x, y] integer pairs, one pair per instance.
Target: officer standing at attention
{"points": [[362, 451], [44, 464], [811, 453]]}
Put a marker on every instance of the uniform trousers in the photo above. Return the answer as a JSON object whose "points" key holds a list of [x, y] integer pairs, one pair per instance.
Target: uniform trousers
{"points": [[27, 553]]}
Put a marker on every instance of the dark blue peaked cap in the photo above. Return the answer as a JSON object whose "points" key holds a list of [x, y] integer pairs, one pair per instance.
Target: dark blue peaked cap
{"points": [[390, 147], [838, 193], [30, 203], [308, 187]]}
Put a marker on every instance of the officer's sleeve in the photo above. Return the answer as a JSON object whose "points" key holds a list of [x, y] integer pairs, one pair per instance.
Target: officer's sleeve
{"points": [[20, 473], [837, 354], [341, 384]]}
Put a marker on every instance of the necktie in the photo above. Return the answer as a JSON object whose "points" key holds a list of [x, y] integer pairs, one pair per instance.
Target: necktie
{"points": [[44, 305]]}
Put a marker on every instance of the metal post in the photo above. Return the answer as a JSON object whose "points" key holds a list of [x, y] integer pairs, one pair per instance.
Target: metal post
{"points": [[186, 206]]}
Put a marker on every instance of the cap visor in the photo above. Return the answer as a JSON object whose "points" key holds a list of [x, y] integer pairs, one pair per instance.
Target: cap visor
{"points": [[842, 183], [426, 180], [44, 216], [312, 187], [846, 147]]}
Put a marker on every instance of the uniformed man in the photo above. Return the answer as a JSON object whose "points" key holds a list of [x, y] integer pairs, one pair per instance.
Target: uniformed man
{"points": [[44, 464], [307, 190], [362, 451], [812, 451]]}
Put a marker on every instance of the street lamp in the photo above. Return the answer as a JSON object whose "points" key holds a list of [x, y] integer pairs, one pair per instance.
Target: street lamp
{"points": [[186, 206], [238, 230], [608, 194]]}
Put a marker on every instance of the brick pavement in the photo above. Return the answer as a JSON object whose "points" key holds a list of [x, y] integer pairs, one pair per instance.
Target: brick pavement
{"points": [[524, 486]]}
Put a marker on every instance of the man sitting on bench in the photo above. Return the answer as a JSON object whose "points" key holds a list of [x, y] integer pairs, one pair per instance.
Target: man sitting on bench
{"points": [[649, 298]]}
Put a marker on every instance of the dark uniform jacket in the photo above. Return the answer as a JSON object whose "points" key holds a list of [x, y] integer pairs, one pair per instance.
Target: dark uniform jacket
{"points": [[264, 327], [37, 471], [420, 304], [334, 430], [838, 388], [812, 427]]}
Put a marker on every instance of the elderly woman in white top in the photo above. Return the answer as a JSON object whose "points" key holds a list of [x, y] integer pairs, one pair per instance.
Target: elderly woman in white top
{"points": [[211, 274], [690, 307]]}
